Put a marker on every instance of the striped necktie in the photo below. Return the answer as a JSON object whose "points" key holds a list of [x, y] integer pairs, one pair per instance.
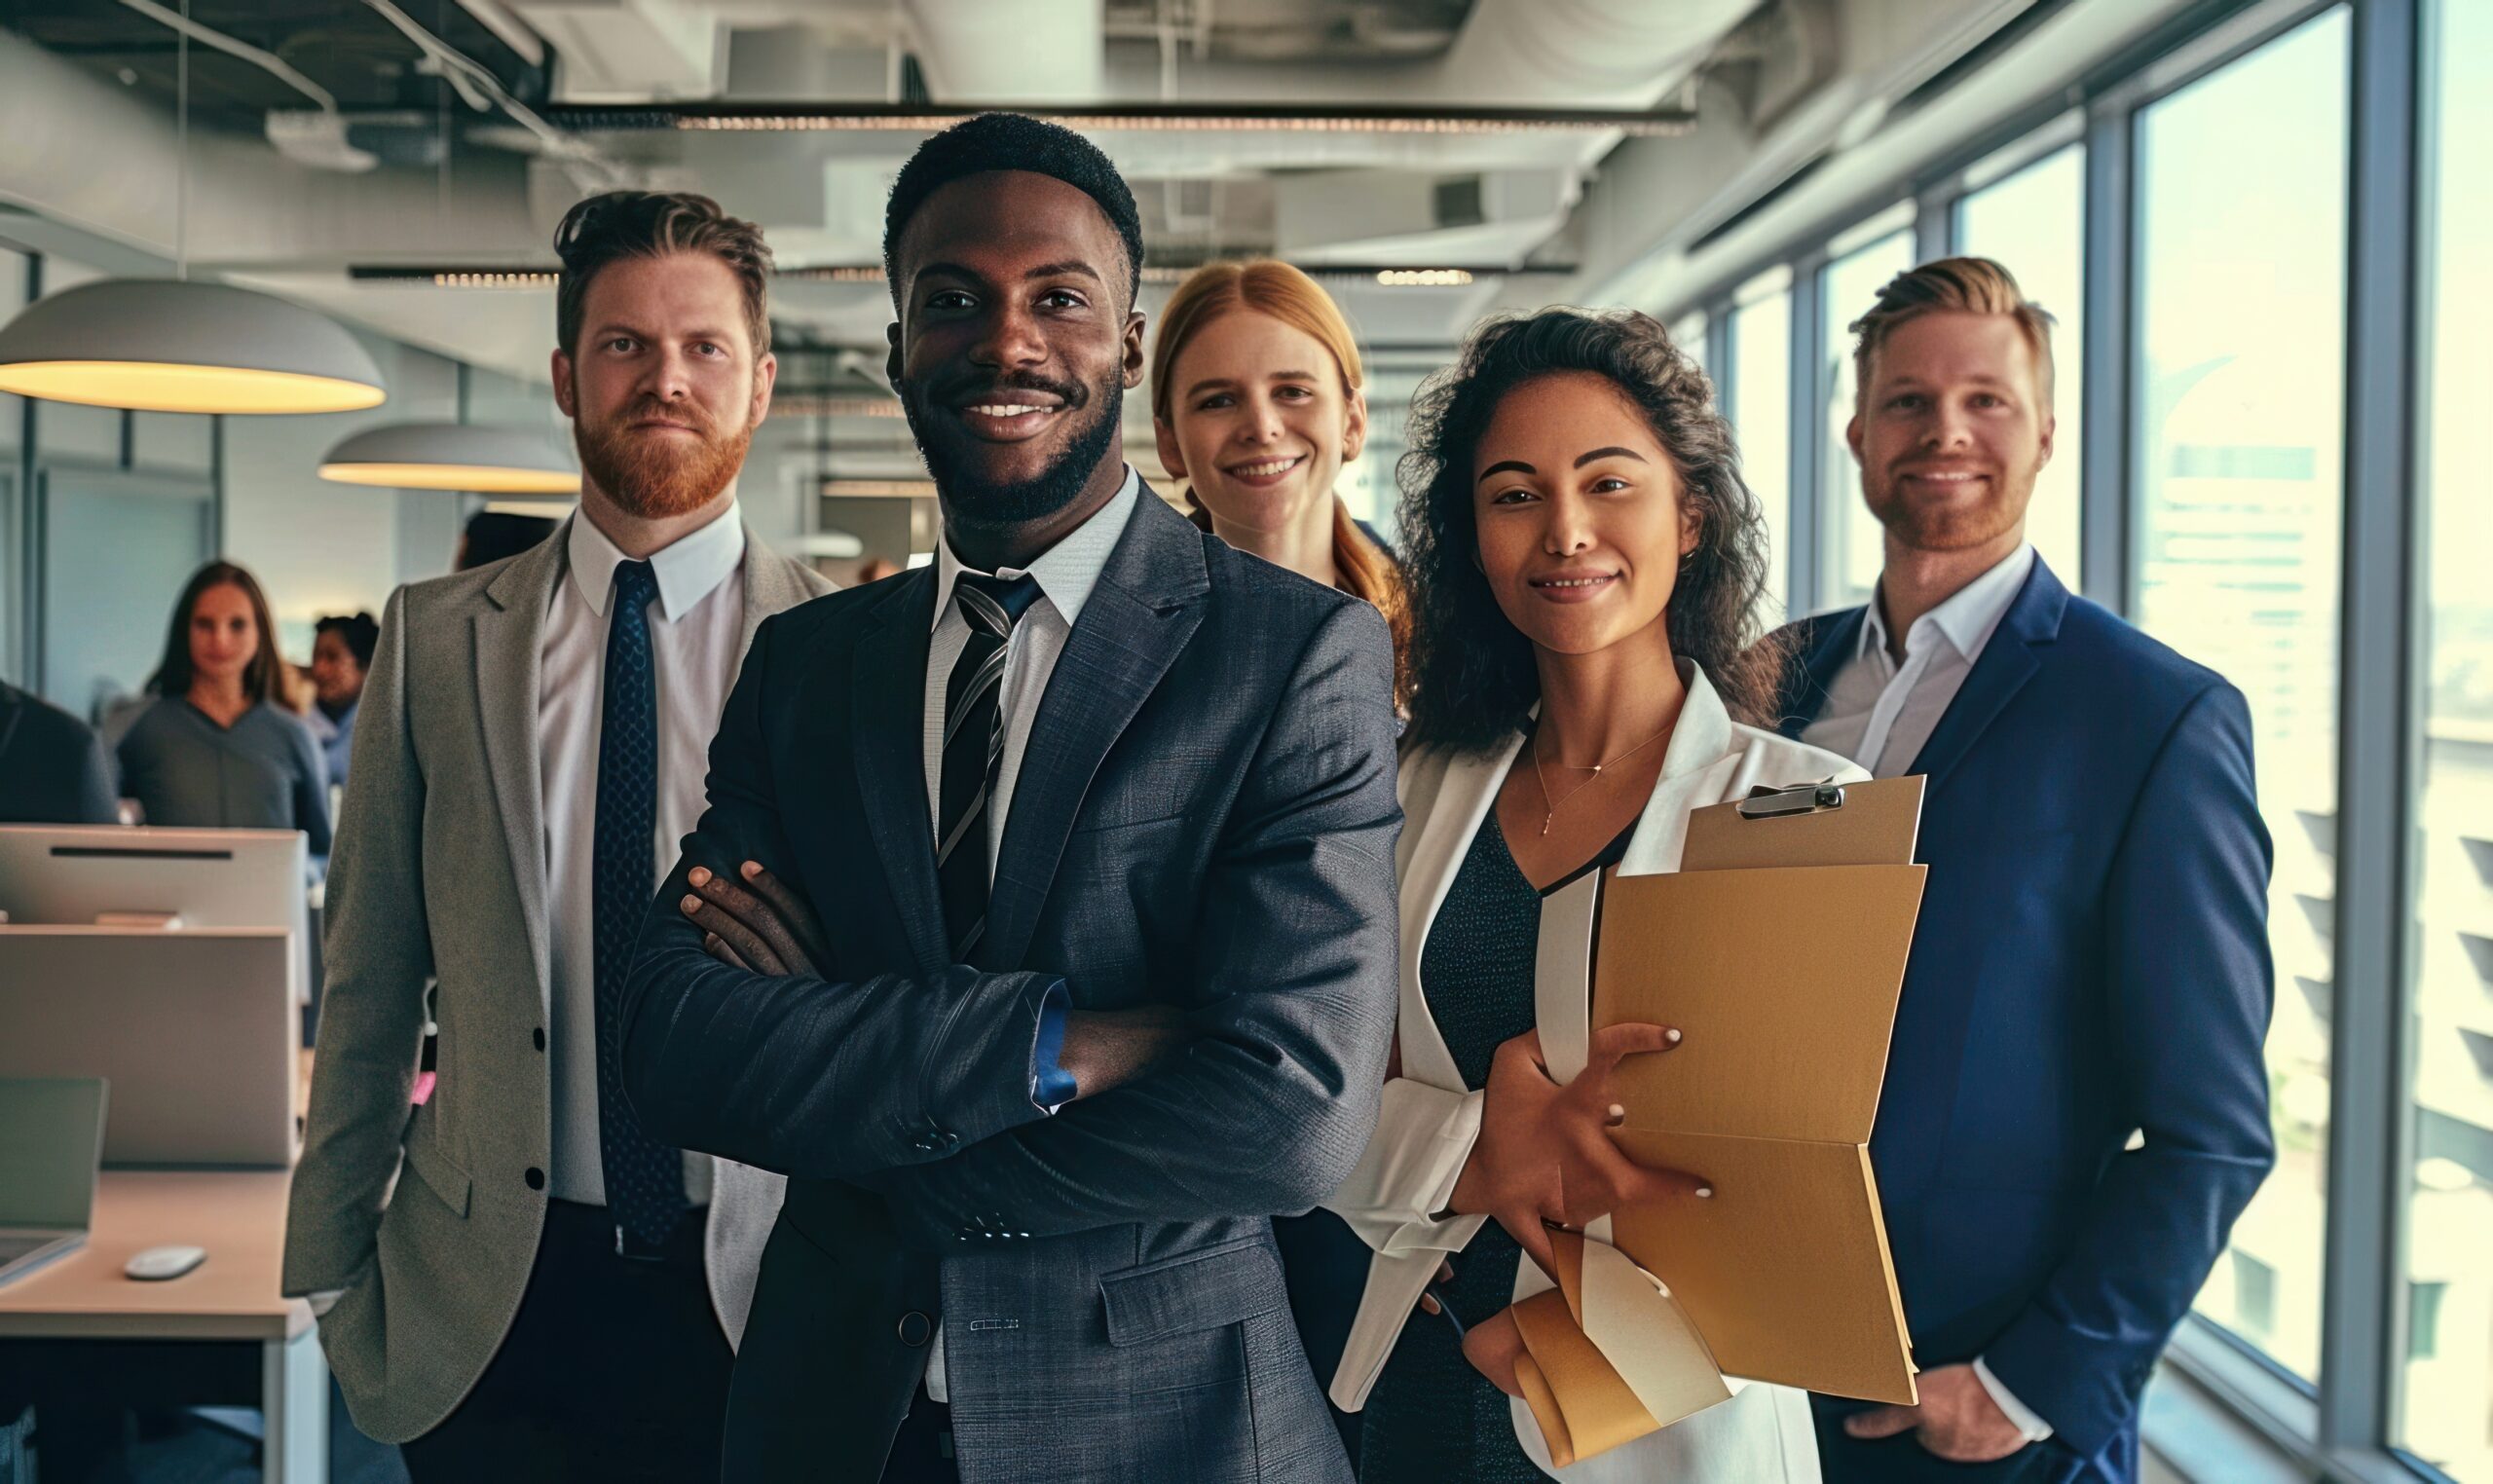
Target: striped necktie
{"points": [[974, 749]]}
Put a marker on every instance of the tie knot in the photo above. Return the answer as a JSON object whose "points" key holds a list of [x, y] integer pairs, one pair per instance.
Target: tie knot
{"points": [[995, 604], [635, 584]]}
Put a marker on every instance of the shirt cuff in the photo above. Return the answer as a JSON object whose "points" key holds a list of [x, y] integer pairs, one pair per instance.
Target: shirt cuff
{"points": [[1052, 1087], [2034, 1428], [323, 1300]]}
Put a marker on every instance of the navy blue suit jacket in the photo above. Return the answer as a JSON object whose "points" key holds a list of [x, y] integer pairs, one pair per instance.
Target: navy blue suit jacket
{"points": [[2092, 959]]}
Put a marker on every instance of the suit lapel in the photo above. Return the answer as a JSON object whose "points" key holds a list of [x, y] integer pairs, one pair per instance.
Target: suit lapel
{"points": [[2006, 664], [1149, 601], [1830, 641], [888, 712], [772, 585], [509, 637]]}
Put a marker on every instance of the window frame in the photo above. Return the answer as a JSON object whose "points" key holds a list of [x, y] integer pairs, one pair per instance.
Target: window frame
{"points": [[2217, 1396]]}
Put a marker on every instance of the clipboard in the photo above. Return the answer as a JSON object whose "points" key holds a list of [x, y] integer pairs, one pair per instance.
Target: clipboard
{"points": [[1779, 950]]}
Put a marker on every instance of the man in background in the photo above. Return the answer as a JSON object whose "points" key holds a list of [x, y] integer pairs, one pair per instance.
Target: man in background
{"points": [[511, 1276], [53, 770], [2076, 1105]]}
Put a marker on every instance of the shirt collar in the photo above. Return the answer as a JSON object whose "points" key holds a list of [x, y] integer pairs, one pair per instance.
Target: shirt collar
{"points": [[1067, 570], [1967, 618], [687, 571]]}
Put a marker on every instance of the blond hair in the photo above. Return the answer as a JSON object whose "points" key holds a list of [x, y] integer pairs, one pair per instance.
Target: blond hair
{"points": [[1952, 285], [1279, 291]]}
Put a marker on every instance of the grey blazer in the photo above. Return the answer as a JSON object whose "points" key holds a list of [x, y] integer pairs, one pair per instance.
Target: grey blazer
{"points": [[1203, 817], [424, 1215]]}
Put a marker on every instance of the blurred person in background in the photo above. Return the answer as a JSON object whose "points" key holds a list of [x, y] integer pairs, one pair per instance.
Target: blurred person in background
{"points": [[216, 747], [341, 647], [53, 769], [493, 535]]}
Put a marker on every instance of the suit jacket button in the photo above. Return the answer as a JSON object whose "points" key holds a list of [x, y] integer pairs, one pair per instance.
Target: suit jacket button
{"points": [[535, 1177], [915, 1329], [537, 1037]]}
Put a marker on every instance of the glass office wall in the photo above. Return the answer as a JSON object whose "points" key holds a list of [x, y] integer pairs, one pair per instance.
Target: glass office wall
{"points": [[1854, 546], [2446, 1411], [1761, 408], [2033, 223], [2237, 443]]}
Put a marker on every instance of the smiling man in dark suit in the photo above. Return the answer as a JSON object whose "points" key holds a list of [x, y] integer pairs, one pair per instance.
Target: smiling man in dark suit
{"points": [[1082, 965], [2092, 960]]}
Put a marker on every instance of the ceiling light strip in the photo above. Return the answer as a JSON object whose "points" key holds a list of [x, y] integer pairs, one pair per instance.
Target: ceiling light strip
{"points": [[746, 117]]}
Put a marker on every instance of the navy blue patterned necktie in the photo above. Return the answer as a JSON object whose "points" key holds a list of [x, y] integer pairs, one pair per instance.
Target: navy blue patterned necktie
{"points": [[974, 749], [643, 1178]]}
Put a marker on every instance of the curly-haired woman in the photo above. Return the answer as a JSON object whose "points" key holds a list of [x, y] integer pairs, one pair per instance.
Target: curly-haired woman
{"points": [[1585, 568]]}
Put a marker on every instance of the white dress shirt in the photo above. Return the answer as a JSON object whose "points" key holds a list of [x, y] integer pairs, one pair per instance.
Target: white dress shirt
{"points": [[1065, 572], [1880, 715], [695, 630]]}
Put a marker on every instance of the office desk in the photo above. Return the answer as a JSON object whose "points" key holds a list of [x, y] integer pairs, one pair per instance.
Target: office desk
{"points": [[239, 1217]]}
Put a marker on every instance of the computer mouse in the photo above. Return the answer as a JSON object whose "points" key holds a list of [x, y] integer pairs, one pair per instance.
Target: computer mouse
{"points": [[156, 1264]]}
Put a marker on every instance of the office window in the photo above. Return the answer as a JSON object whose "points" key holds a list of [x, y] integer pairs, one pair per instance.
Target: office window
{"points": [[1854, 547], [1688, 332], [2034, 222], [2446, 1406], [2238, 447], [1761, 408]]}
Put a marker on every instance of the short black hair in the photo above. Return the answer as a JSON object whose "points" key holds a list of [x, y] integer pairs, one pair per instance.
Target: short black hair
{"points": [[359, 631], [1012, 141]]}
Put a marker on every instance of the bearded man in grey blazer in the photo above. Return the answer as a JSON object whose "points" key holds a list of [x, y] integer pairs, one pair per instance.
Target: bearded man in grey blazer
{"points": [[510, 1273]]}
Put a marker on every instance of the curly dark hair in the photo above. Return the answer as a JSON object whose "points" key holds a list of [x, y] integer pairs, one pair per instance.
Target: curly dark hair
{"points": [[1474, 680], [1012, 141]]}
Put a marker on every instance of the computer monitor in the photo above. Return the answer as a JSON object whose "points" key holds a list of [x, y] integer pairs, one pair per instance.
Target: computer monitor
{"points": [[52, 1133], [210, 878], [193, 1029]]}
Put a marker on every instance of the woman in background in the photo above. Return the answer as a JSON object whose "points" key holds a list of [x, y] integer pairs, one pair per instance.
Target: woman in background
{"points": [[1255, 400], [216, 747]]}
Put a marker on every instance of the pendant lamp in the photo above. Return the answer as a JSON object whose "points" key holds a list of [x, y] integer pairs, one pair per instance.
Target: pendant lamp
{"points": [[167, 345], [156, 345], [452, 455]]}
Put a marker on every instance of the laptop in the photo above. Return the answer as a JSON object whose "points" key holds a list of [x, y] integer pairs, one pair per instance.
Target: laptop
{"points": [[52, 1138]]}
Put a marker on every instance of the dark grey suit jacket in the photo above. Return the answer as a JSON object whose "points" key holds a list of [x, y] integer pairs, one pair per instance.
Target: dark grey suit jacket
{"points": [[52, 771], [1204, 816]]}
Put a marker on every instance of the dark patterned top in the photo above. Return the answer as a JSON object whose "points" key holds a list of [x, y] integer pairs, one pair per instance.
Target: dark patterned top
{"points": [[1430, 1417]]}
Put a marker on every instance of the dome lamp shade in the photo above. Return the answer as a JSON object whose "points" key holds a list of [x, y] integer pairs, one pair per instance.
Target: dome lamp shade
{"points": [[166, 345], [452, 455]]}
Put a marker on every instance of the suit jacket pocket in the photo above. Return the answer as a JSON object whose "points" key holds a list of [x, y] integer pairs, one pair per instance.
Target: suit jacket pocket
{"points": [[438, 1173], [1211, 1289]]}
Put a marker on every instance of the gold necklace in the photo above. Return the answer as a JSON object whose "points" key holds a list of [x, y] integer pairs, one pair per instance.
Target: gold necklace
{"points": [[1550, 811]]}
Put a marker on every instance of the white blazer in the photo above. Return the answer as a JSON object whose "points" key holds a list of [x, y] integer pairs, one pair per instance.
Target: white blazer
{"points": [[1430, 1119]]}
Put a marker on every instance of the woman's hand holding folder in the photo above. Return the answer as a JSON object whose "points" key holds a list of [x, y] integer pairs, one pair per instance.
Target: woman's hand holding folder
{"points": [[1545, 1155]]}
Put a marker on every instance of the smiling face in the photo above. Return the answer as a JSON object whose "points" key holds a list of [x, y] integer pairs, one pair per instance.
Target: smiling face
{"points": [[224, 635], [663, 390], [1951, 430], [1016, 342], [1580, 523], [1260, 422]]}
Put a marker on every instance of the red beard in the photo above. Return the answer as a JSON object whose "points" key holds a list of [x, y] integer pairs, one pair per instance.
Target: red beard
{"points": [[654, 475]]}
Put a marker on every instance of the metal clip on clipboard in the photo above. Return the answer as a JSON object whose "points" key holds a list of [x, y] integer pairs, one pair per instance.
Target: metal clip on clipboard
{"points": [[1800, 798]]}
